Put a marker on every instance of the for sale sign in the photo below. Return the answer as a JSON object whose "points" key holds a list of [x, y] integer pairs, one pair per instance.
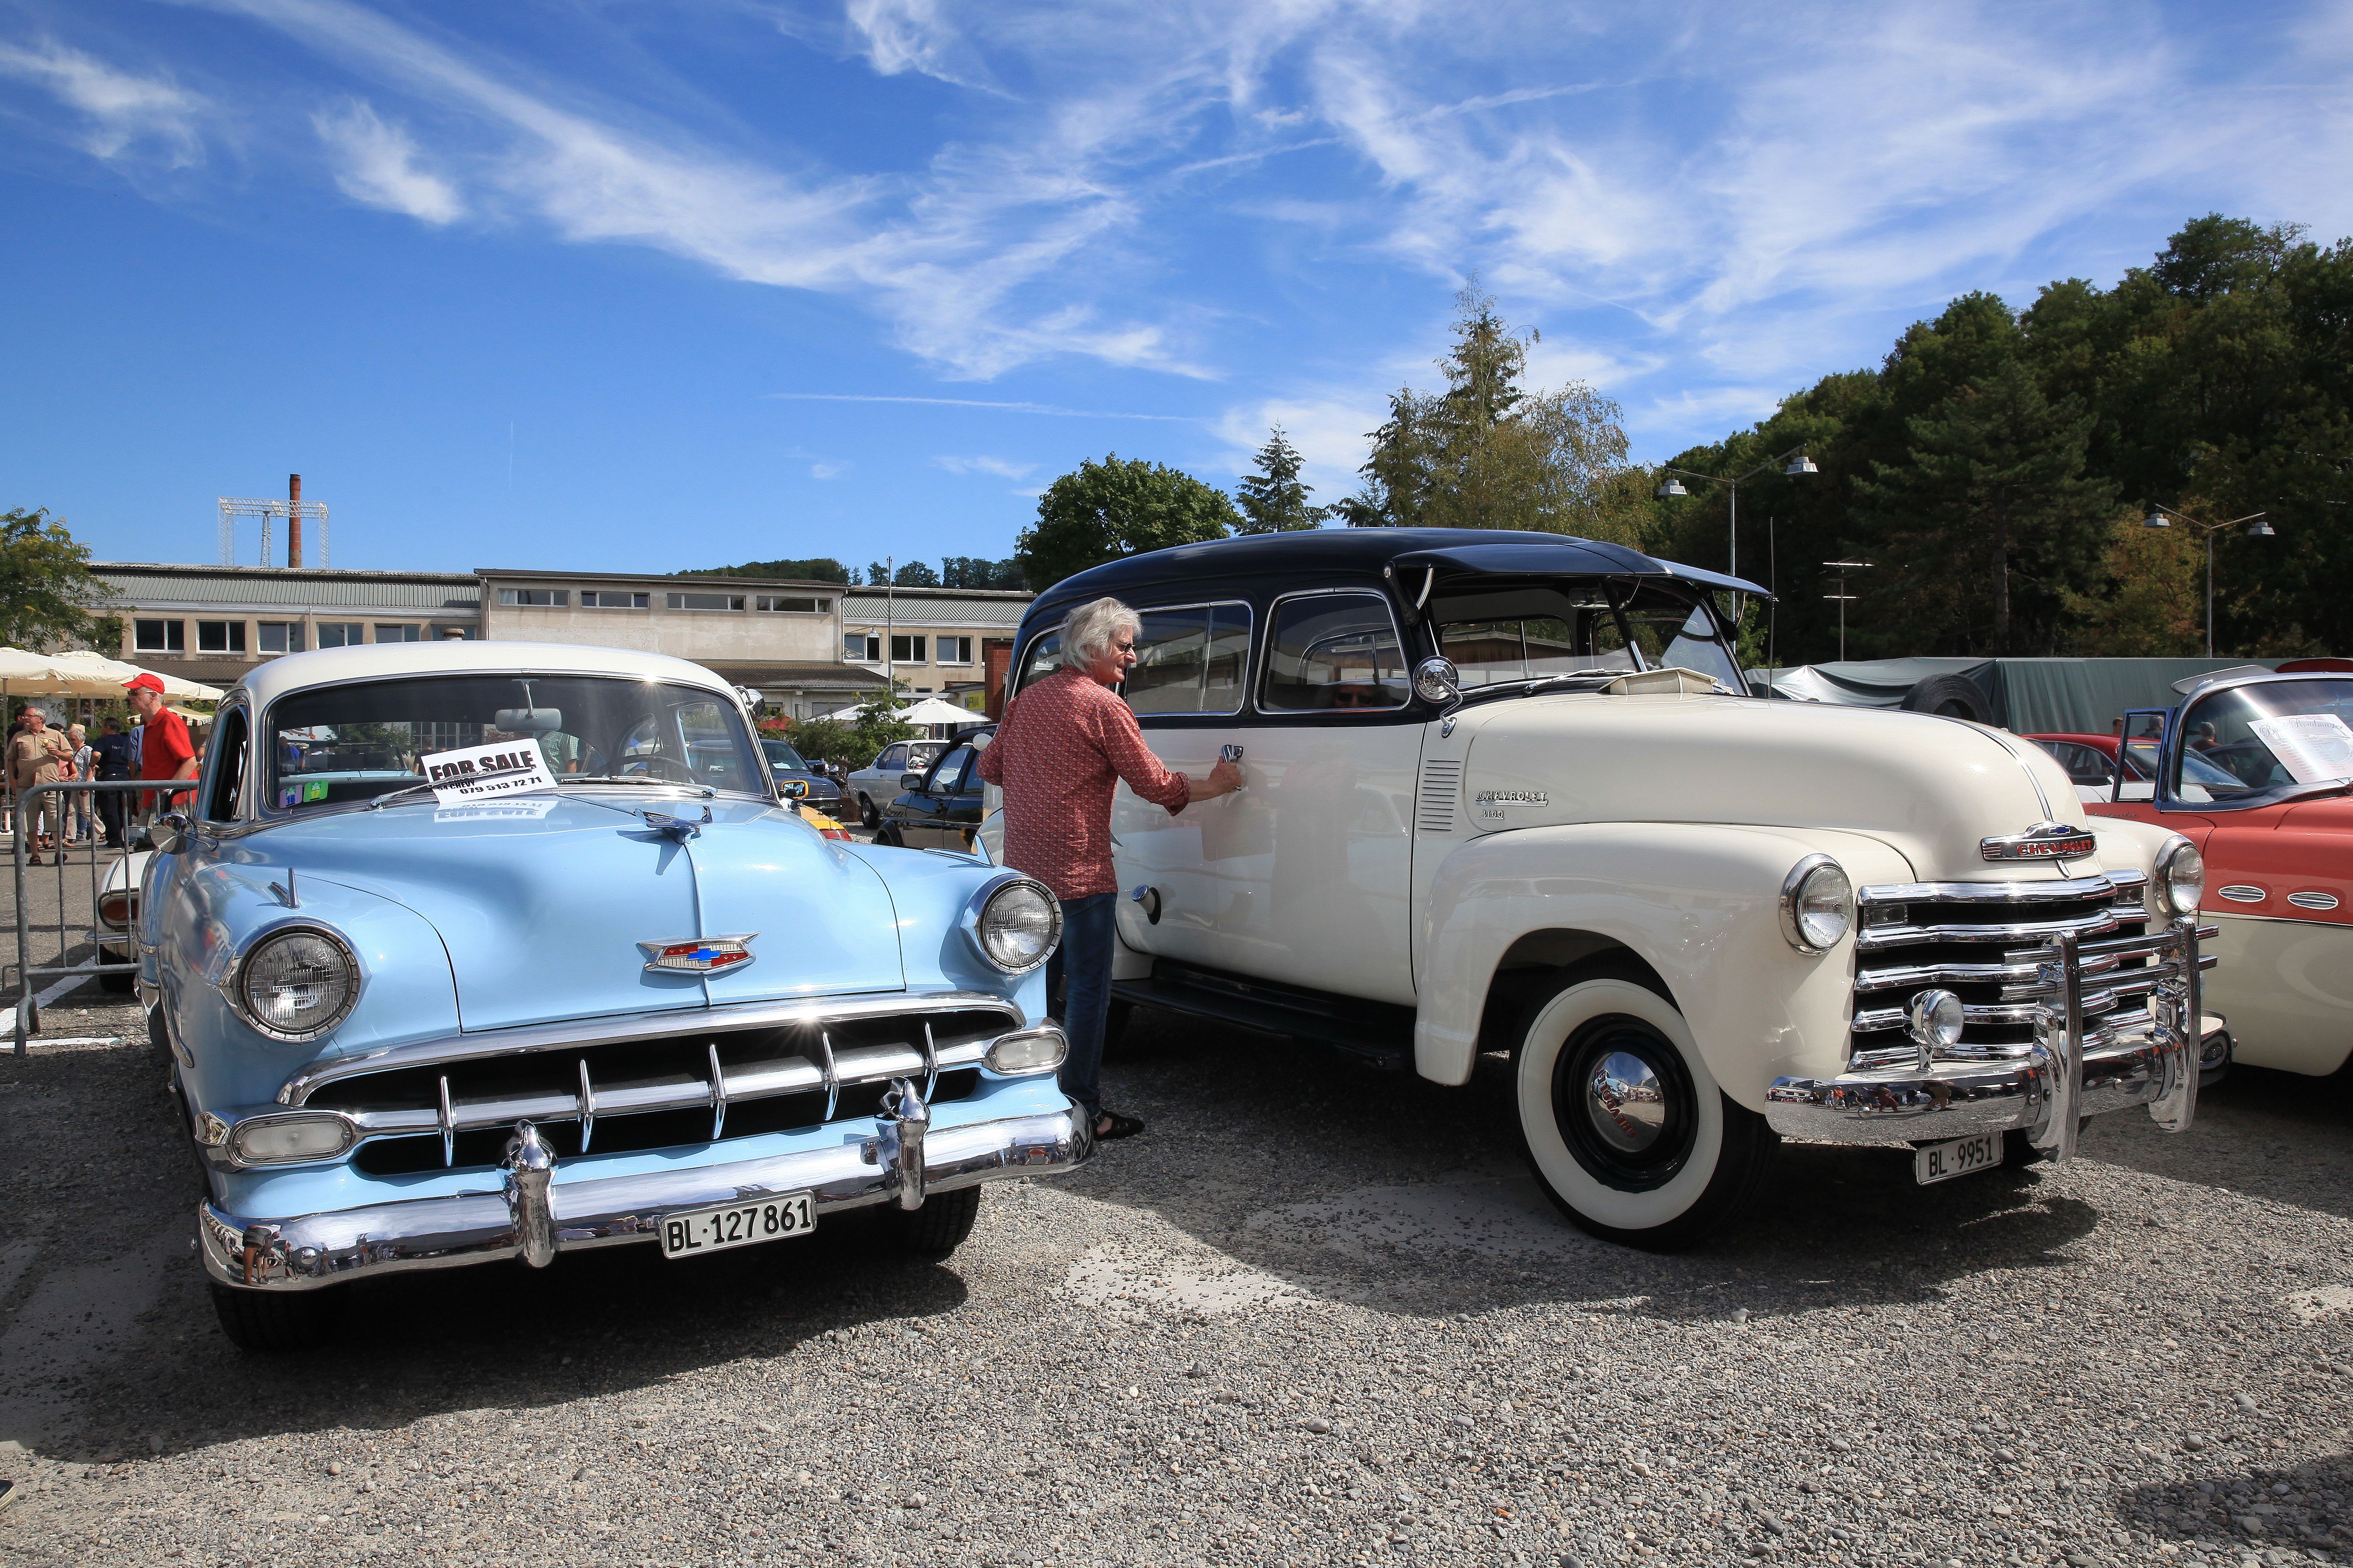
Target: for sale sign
{"points": [[494, 772]]}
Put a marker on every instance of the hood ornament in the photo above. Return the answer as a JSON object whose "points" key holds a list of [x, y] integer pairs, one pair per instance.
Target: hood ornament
{"points": [[699, 954], [2043, 841], [679, 827]]}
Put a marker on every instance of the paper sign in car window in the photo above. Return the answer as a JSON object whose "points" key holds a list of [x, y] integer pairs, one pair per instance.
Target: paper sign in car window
{"points": [[2312, 747], [494, 772]]}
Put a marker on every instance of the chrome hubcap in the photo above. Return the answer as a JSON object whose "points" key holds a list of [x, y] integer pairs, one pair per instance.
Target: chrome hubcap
{"points": [[1626, 1102]]}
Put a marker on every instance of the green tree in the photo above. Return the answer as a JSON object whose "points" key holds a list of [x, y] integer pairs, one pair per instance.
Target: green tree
{"points": [[1487, 453], [47, 592], [916, 574], [1111, 510], [878, 723], [1272, 498], [830, 740], [978, 572], [817, 569]]}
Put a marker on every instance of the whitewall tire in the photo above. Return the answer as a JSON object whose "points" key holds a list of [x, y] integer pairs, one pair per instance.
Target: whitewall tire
{"points": [[1621, 1121]]}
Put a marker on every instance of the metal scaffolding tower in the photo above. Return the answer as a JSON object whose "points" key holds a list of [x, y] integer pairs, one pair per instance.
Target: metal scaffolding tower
{"points": [[269, 511]]}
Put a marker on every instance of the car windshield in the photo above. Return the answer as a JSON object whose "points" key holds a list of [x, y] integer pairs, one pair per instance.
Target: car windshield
{"points": [[783, 756], [343, 744], [2251, 740], [1497, 636]]}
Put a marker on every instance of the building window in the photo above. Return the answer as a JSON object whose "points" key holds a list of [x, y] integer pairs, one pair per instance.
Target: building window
{"points": [[220, 636], [281, 636], [796, 606], [405, 632], [954, 650], [906, 649], [863, 646], [160, 637], [611, 599], [706, 601], [341, 634], [542, 598]]}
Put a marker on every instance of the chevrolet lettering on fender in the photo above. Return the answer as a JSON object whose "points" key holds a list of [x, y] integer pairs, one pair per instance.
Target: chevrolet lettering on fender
{"points": [[408, 1032], [1509, 794]]}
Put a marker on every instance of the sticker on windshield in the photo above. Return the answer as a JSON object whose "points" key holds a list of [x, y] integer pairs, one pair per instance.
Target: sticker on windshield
{"points": [[474, 773], [2312, 747]]}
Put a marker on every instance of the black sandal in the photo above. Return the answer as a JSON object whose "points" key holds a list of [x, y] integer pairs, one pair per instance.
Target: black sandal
{"points": [[1119, 1126]]}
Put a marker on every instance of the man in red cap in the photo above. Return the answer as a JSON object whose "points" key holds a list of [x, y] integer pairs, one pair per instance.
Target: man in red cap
{"points": [[164, 749]]}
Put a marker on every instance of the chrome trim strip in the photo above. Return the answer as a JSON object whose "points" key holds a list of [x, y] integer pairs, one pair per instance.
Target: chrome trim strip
{"points": [[449, 1124], [930, 1062], [587, 1107], [1872, 938], [307, 1252], [833, 1073], [2000, 892], [718, 1093], [486, 1045]]}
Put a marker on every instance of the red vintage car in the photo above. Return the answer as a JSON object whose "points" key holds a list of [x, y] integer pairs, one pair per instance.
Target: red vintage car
{"points": [[2256, 769]]}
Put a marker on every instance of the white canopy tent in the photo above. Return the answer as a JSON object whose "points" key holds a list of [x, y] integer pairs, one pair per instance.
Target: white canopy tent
{"points": [[931, 711]]}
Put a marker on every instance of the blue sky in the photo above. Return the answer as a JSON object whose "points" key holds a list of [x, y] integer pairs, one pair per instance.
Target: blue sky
{"points": [[635, 285]]}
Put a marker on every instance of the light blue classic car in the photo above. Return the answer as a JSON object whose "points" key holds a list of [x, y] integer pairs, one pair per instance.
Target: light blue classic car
{"points": [[479, 951]]}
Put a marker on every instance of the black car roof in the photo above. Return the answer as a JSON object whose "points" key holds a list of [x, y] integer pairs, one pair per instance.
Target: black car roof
{"points": [[1366, 552]]}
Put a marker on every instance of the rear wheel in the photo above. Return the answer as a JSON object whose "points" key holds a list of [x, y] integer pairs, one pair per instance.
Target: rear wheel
{"points": [[937, 1229], [889, 834], [273, 1322], [866, 816], [1623, 1123]]}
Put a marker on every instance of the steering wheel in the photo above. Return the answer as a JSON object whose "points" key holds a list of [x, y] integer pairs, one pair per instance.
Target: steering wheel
{"points": [[655, 759]]}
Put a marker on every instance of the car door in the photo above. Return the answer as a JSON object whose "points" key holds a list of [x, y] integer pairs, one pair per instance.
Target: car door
{"points": [[1302, 875], [926, 817]]}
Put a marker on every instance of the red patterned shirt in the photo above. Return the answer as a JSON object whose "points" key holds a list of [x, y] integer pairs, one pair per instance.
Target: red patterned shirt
{"points": [[1064, 745]]}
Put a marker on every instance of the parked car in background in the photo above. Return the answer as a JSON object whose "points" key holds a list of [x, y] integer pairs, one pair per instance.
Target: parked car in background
{"points": [[787, 765], [2253, 768], [645, 1002], [1507, 793], [941, 807], [865, 790]]}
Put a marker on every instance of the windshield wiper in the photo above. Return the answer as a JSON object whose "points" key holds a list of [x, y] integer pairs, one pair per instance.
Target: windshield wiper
{"points": [[378, 802]]}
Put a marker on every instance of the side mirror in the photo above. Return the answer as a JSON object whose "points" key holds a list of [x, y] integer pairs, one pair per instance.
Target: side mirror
{"points": [[793, 789], [1438, 682], [908, 783], [163, 835]]}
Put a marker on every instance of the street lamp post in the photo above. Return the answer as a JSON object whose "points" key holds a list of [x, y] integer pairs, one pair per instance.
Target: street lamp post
{"points": [[1842, 596], [1797, 464], [2163, 517]]}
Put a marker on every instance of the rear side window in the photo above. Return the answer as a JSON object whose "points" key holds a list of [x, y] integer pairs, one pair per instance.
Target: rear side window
{"points": [[1334, 652], [1193, 660], [228, 768], [949, 777]]}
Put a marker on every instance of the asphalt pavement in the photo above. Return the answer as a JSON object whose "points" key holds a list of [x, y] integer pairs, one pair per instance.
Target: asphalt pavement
{"points": [[1316, 1315]]}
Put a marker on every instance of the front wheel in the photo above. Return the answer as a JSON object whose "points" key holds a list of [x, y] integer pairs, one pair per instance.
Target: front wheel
{"points": [[1622, 1121], [866, 816], [272, 1323], [937, 1229]]}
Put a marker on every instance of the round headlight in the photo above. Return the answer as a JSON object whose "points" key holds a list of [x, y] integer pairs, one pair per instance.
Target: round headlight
{"points": [[1018, 926], [1817, 904], [298, 984], [1937, 1020], [2181, 874]]}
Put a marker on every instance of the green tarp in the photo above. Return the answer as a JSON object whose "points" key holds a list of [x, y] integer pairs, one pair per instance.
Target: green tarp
{"points": [[2031, 696]]}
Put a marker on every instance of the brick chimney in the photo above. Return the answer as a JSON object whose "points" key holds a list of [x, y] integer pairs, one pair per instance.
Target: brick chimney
{"points": [[293, 520]]}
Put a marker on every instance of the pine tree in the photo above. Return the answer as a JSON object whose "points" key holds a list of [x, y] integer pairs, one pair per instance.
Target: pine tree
{"points": [[1272, 500]]}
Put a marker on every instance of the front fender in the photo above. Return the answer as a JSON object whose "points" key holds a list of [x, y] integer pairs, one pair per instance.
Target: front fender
{"points": [[1700, 904]]}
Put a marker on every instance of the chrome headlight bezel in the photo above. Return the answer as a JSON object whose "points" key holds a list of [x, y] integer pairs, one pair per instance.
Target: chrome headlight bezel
{"points": [[1802, 928], [978, 911], [232, 985], [233, 1141], [2179, 864]]}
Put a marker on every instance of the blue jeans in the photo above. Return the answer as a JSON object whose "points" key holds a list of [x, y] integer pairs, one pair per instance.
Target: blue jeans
{"points": [[1080, 971]]}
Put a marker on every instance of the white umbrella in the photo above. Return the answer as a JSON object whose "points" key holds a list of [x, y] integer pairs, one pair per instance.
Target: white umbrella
{"points": [[85, 665], [57, 675], [932, 711]]}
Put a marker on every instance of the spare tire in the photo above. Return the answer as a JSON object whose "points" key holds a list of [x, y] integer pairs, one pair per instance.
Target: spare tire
{"points": [[1956, 696]]}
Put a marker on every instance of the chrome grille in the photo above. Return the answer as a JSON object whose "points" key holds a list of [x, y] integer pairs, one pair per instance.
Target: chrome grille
{"points": [[677, 1088], [1986, 942]]}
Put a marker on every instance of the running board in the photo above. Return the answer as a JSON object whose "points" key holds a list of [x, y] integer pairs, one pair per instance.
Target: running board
{"points": [[1376, 1033]]}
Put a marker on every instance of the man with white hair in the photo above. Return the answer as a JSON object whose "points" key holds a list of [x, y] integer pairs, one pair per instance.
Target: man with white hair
{"points": [[1063, 748]]}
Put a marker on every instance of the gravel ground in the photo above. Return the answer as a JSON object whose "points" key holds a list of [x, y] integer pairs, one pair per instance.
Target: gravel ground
{"points": [[1315, 1315]]}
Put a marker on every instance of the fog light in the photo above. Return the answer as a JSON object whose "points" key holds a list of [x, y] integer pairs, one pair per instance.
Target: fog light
{"points": [[1937, 1018], [278, 1140], [1040, 1049]]}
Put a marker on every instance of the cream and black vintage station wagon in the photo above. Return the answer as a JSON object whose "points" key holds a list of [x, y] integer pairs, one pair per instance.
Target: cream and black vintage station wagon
{"points": [[1509, 792]]}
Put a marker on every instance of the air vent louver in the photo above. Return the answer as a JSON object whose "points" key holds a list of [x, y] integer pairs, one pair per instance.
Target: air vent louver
{"points": [[1440, 796]]}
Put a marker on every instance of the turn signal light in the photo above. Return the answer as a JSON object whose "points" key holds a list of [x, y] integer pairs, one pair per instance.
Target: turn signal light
{"points": [[281, 1140], [1040, 1049], [118, 908]]}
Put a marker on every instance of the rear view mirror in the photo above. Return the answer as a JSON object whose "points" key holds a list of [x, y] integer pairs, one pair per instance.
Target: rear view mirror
{"points": [[528, 721], [911, 781]]}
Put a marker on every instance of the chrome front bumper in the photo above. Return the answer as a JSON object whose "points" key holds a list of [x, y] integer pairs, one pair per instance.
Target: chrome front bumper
{"points": [[2076, 1066], [537, 1213]]}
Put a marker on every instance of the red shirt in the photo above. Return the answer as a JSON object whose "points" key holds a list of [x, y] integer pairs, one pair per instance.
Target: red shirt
{"points": [[164, 746], [1064, 745]]}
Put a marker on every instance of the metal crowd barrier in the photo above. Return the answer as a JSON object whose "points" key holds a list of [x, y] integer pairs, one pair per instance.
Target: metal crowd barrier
{"points": [[73, 934]]}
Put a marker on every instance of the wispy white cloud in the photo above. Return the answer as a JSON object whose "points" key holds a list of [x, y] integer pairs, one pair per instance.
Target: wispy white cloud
{"points": [[1004, 468], [900, 35], [125, 115], [376, 163], [827, 470], [977, 402]]}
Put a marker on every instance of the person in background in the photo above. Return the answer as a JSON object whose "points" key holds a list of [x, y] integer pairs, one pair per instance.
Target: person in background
{"points": [[165, 750], [1064, 745], [113, 757], [37, 755], [83, 757]]}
